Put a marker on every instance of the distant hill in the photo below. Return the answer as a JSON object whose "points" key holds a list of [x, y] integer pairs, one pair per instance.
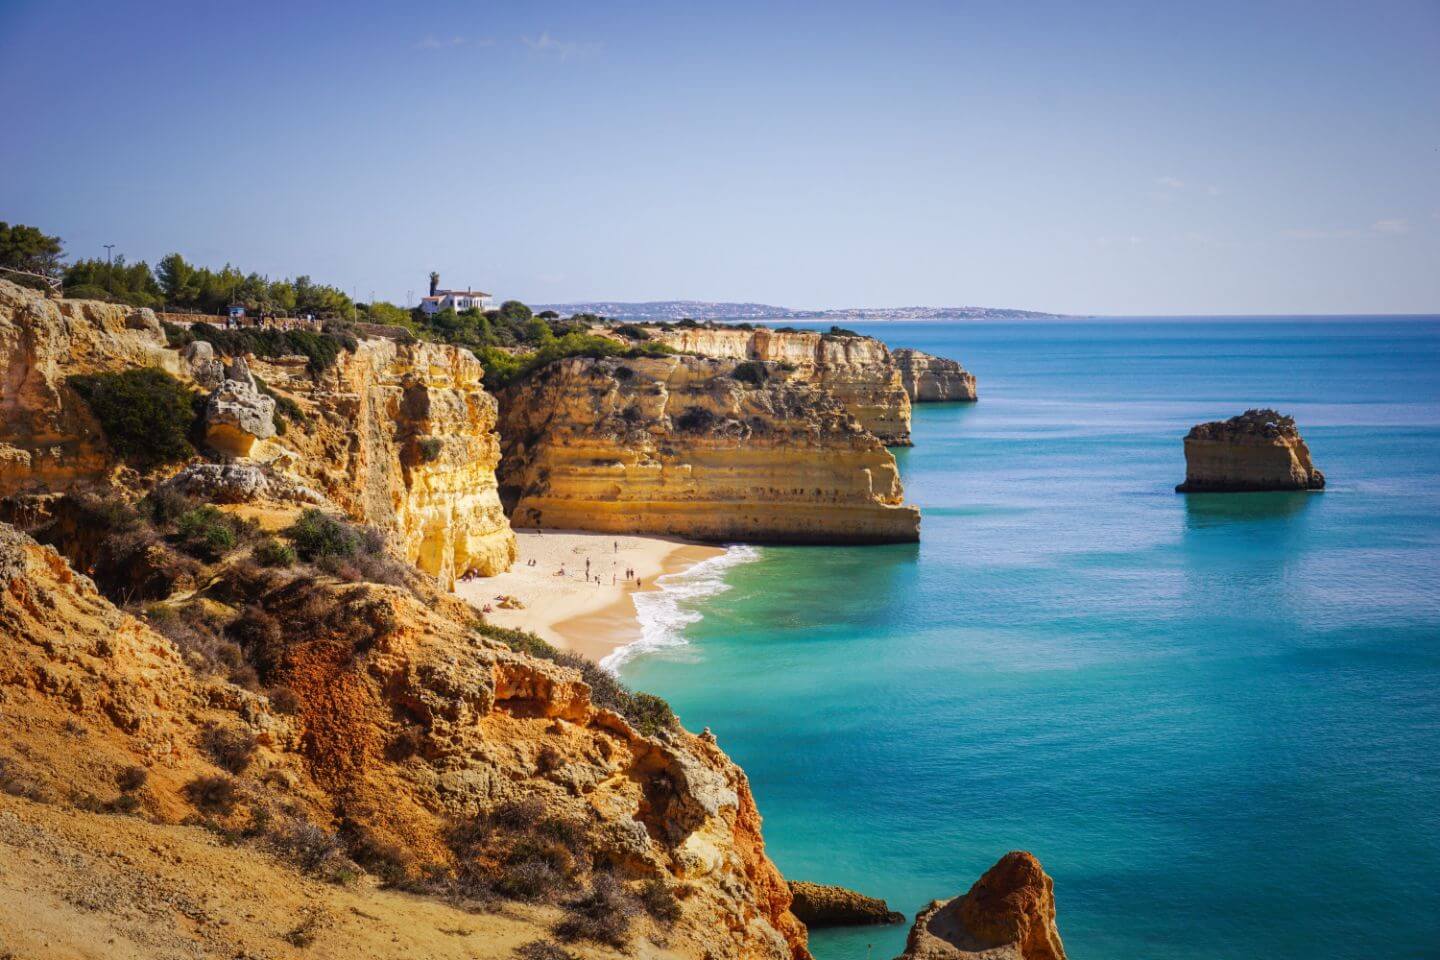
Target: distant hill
{"points": [[656, 310]]}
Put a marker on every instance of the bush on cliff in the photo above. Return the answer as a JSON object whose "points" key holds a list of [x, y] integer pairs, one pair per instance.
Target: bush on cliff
{"points": [[752, 372], [147, 415], [321, 350]]}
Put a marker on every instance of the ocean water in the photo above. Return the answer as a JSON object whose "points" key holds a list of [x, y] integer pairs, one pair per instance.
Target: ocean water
{"points": [[1215, 719]]}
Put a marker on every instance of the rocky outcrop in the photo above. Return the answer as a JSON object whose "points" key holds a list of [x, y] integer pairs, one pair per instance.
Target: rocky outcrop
{"points": [[403, 436], [48, 439], [1009, 914], [931, 379], [857, 370], [824, 905], [400, 436], [1257, 450], [238, 483], [237, 413], [489, 736], [678, 445]]}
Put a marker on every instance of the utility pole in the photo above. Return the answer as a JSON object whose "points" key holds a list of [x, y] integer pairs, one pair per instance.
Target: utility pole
{"points": [[108, 247]]}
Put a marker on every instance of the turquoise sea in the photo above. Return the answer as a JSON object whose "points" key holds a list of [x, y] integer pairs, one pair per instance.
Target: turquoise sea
{"points": [[1215, 719]]}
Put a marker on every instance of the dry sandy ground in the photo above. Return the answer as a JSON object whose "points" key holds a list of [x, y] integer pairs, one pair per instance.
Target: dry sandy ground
{"points": [[79, 885], [591, 617]]}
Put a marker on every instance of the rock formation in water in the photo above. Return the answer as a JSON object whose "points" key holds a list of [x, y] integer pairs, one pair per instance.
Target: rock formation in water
{"points": [[1009, 914], [401, 436], [1257, 450], [700, 448], [857, 370], [931, 379], [823, 905]]}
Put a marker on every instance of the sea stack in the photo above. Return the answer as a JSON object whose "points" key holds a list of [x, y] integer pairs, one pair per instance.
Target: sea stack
{"points": [[824, 905], [1258, 450], [931, 379], [1008, 913]]}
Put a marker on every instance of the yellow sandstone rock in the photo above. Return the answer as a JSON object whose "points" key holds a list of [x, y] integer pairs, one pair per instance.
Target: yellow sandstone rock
{"points": [[858, 370], [678, 445]]}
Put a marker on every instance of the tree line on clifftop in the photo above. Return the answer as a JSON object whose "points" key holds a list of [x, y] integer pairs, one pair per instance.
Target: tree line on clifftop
{"points": [[511, 342]]}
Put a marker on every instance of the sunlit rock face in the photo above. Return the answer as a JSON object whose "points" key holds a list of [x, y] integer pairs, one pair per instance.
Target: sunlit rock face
{"points": [[1257, 450], [1009, 914], [857, 370], [403, 437], [931, 379], [49, 441], [700, 448]]}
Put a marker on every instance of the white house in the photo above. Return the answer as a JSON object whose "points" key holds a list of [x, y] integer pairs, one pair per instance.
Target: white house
{"points": [[456, 300]]}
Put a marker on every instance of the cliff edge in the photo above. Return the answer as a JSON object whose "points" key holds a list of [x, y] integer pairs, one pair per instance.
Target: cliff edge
{"points": [[857, 370], [699, 448], [931, 379]]}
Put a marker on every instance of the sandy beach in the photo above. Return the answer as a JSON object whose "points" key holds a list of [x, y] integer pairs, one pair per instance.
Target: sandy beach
{"points": [[589, 617]]}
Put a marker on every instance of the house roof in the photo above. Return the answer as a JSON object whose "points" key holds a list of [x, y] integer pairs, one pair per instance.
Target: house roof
{"points": [[463, 293]]}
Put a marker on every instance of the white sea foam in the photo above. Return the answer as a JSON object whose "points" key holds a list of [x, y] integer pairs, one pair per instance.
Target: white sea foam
{"points": [[665, 613]]}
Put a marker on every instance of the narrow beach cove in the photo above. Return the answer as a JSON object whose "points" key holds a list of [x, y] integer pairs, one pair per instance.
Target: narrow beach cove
{"points": [[1212, 717]]}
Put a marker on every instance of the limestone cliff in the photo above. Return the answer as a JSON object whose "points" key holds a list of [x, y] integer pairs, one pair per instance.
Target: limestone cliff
{"points": [[402, 435], [1257, 450], [931, 379], [858, 370], [679, 445], [1009, 914], [48, 439], [410, 741]]}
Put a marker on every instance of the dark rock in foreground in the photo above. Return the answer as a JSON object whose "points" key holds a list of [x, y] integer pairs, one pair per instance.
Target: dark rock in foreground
{"points": [[1258, 450], [1009, 914], [823, 905]]}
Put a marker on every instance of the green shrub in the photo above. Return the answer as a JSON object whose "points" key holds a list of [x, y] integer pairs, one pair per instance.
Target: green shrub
{"points": [[208, 532], [659, 900], [218, 794], [271, 552], [752, 372], [632, 331], [321, 350], [430, 449], [147, 415], [841, 332], [316, 534]]}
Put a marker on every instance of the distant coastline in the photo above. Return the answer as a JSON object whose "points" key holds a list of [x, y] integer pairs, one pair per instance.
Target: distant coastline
{"points": [[738, 312]]}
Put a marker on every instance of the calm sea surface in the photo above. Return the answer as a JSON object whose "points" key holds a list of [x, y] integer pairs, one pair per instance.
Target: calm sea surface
{"points": [[1215, 719]]}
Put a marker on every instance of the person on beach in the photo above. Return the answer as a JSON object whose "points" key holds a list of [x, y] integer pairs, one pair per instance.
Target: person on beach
{"points": [[587, 568]]}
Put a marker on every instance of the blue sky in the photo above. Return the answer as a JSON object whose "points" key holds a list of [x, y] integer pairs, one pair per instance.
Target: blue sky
{"points": [[1123, 158]]}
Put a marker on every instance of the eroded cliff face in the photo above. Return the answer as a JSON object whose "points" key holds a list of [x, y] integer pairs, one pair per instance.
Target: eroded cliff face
{"points": [[402, 436], [931, 379], [857, 370], [91, 693], [48, 439], [679, 446], [1257, 450]]}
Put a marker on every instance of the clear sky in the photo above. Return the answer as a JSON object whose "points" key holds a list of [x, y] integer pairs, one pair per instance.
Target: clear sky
{"points": [[1097, 157]]}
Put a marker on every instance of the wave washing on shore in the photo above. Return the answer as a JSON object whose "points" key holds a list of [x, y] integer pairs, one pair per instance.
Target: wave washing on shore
{"points": [[665, 613]]}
